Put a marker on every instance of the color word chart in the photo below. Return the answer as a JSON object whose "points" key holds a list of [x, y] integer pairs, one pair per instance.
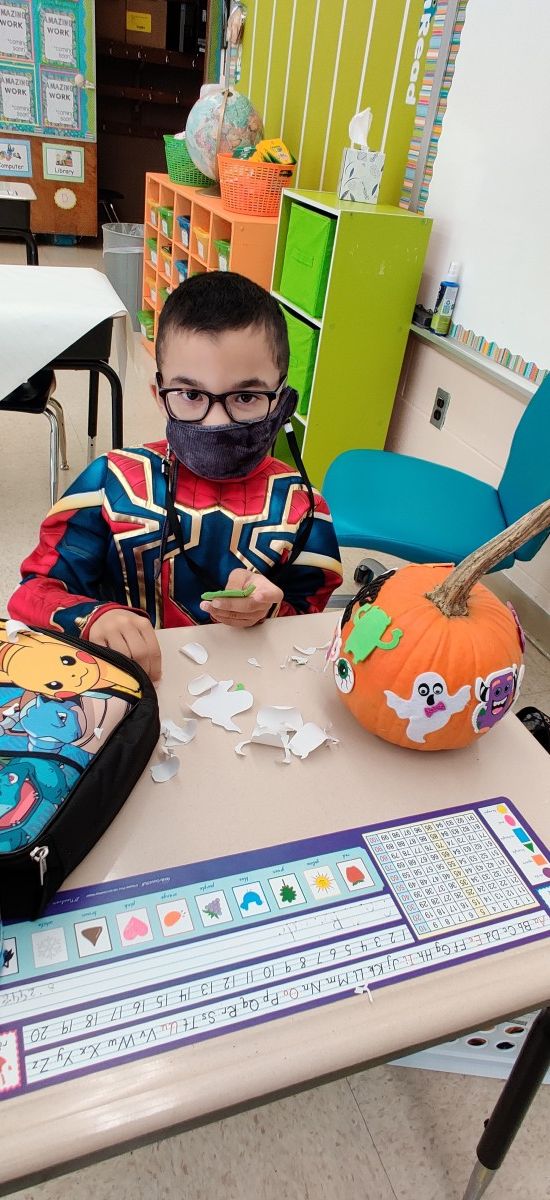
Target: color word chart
{"points": [[140, 965]]}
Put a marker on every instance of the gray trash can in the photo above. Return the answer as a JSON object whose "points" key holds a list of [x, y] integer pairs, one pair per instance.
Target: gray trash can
{"points": [[123, 254]]}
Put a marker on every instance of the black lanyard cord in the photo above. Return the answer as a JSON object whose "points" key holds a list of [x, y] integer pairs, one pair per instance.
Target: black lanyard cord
{"points": [[172, 525], [302, 537]]}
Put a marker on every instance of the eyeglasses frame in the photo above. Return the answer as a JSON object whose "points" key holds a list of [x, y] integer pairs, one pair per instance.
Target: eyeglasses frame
{"points": [[216, 398]]}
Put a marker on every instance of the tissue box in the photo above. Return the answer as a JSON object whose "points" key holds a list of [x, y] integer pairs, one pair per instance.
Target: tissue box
{"points": [[360, 175]]}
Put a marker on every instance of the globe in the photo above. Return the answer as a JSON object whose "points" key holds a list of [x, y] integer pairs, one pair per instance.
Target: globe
{"points": [[242, 126]]}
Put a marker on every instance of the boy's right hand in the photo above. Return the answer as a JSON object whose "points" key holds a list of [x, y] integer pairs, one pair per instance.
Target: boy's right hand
{"points": [[129, 634]]}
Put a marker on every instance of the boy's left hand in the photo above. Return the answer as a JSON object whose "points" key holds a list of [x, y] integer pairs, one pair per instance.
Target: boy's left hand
{"points": [[247, 611]]}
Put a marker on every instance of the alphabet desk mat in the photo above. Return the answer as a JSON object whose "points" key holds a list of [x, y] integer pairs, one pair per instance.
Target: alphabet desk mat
{"points": [[140, 965]]}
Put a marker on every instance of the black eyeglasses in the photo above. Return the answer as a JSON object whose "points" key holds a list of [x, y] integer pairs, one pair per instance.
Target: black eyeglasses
{"points": [[244, 408]]}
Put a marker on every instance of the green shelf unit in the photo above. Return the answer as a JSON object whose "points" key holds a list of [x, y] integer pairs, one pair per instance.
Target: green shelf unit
{"points": [[375, 269]]}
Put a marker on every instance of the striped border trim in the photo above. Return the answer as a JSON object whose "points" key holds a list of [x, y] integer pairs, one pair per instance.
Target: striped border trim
{"points": [[504, 357]]}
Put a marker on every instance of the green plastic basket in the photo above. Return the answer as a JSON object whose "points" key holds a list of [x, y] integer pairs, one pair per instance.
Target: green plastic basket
{"points": [[181, 167]]}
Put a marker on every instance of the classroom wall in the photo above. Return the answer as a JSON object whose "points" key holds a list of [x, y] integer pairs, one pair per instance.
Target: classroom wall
{"points": [[489, 193], [309, 65], [476, 437]]}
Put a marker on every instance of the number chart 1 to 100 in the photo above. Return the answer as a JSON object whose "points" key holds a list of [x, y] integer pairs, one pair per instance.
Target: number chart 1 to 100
{"points": [[141, 965]]}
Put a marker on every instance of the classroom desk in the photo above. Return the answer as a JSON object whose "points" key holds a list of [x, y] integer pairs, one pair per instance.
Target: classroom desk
{"points": [[62, 317], [15, 215], [221, 804]]}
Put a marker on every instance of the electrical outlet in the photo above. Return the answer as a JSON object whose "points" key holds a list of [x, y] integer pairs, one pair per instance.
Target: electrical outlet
{"points": [[439, 410]]}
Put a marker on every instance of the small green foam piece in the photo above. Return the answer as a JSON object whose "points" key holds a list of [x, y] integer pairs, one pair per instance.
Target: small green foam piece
{"points": [[230, 593]]}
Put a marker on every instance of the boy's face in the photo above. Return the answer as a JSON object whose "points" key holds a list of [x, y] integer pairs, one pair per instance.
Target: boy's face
{"points": [[236, 360]]}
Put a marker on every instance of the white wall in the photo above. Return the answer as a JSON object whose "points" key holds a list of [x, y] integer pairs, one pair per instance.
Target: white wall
{"points": [[475, 438], [489, 196]]}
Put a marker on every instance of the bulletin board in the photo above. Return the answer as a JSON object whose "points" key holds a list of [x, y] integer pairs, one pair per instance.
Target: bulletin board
{"points": [[489, 193], [48, 109], [44, 46]]}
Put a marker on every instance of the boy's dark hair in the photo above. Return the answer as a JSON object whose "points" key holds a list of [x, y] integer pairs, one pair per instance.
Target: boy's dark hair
{"points": [[216, 301]]}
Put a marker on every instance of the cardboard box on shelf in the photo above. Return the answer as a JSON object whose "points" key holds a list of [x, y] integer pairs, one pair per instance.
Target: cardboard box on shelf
{"points": [[110, 19], [146, 22]]}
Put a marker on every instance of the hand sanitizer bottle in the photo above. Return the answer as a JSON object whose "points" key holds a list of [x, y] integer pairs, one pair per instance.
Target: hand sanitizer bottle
{"points": [[446, 300]]}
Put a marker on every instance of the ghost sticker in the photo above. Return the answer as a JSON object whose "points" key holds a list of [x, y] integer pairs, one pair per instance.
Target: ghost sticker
{"points": [[429, 707], [496, 694], [221, 704]]}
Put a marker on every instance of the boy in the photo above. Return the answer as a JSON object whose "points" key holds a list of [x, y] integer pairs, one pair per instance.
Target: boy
{"points": [[142, 533]]}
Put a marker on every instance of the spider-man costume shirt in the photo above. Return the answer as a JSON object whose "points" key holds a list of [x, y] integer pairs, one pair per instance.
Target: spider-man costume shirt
{"points": [[100, 545]]}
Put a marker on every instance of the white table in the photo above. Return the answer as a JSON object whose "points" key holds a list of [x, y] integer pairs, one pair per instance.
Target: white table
{"points": [[45, 313], [221, 804]]}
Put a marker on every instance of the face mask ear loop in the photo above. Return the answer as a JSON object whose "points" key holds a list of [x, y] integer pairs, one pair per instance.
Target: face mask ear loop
{"points": [[307, 525]]}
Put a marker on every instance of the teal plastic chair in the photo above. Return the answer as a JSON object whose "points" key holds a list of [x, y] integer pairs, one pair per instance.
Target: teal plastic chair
{"points": [[425, 512]]}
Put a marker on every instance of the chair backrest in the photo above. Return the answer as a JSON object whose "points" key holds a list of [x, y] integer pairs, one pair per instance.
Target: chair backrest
{"points": [[526, 479]]}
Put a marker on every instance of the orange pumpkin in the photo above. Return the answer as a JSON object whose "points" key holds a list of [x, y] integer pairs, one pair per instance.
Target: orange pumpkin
{"points": [[427, 657]]}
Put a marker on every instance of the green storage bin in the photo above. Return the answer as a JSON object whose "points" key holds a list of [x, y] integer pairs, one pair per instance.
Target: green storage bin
{"points": [[147, 322], [306, 263], [303, 339], [151, 243], [224, 250], [166, 220]]}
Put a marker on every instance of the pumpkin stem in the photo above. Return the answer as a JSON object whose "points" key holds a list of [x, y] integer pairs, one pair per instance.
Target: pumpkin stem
{"points": [[451, 596]]}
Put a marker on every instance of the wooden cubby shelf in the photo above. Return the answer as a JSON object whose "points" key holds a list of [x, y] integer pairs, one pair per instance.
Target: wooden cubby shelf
{"points": [[252, 239]]}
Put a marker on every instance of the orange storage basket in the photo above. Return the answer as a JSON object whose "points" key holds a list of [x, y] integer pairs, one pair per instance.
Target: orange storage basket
{"points": [[253, 187]]}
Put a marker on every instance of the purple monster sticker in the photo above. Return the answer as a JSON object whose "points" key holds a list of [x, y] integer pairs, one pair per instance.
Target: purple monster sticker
{"points": [[496, 694]]}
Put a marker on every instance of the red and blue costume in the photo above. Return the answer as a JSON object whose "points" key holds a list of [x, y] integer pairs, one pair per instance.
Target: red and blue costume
{"points": [[100, 546]]}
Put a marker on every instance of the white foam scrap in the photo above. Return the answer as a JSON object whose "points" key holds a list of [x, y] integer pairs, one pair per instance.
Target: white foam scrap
{"points": [[279, 718], [15, 627], [196, 652], [283, 728], [200, 684], [163, 771], [310, 649], [183, 733], [262, 737], [309, 738], [253, 662]]}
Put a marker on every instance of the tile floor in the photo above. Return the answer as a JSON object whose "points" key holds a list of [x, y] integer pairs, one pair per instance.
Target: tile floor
{"points": [[385, 1134]]}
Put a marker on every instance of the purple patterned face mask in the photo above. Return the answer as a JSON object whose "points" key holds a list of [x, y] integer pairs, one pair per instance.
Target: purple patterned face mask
{"points": [[228, 451]]}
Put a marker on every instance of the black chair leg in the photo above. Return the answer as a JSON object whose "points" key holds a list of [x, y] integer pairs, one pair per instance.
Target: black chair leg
{"points": [[93, 394], [117, 435], [97, 366], [519, 1091], [32, 248], [23, 235]]}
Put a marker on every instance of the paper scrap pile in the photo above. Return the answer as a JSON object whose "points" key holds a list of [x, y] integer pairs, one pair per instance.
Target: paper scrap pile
{"points": [[285, 729], [172, 736]]}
